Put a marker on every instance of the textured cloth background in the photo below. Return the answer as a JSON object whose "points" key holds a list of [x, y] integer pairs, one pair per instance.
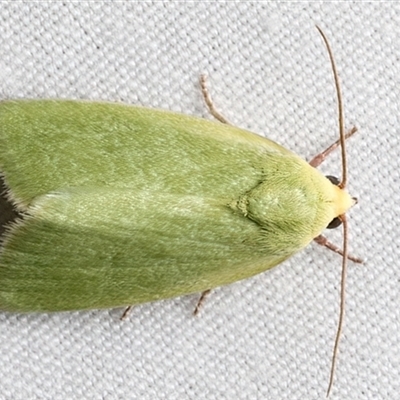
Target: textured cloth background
{"points": [[269, 337]]}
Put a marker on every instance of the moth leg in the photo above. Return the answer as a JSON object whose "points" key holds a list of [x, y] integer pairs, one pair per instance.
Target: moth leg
{"points": [[201, 301], [320, 158], [210, 105], [126, 313], [323, 241]]}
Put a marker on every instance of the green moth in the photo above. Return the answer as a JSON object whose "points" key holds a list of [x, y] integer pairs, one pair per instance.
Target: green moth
{"points": [[122, 205]]}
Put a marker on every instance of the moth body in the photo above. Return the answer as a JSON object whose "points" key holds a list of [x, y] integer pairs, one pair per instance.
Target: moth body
{"points": [[123, 205]]}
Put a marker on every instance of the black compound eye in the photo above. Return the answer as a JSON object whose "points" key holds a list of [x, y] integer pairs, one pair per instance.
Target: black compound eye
{"points": [[334, 223], [333, 179]]}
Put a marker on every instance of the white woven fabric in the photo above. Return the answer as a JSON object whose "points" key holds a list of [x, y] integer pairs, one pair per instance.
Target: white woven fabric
{"points": [[269, 337]]}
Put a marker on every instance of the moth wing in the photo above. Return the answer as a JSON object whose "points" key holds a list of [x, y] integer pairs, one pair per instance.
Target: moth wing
{"points": [[47, 145], [99, 248]]}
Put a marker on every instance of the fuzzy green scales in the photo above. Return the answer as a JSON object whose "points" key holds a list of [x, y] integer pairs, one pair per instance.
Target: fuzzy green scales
{"points": [[126, 204]]}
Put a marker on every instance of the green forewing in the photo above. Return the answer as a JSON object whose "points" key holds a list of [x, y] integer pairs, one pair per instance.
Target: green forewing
{"points": [[95, 249], [47, 145], [126, 205]]}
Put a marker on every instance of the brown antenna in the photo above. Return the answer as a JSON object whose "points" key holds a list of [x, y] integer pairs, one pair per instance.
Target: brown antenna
{"points": [[342, 185]]}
